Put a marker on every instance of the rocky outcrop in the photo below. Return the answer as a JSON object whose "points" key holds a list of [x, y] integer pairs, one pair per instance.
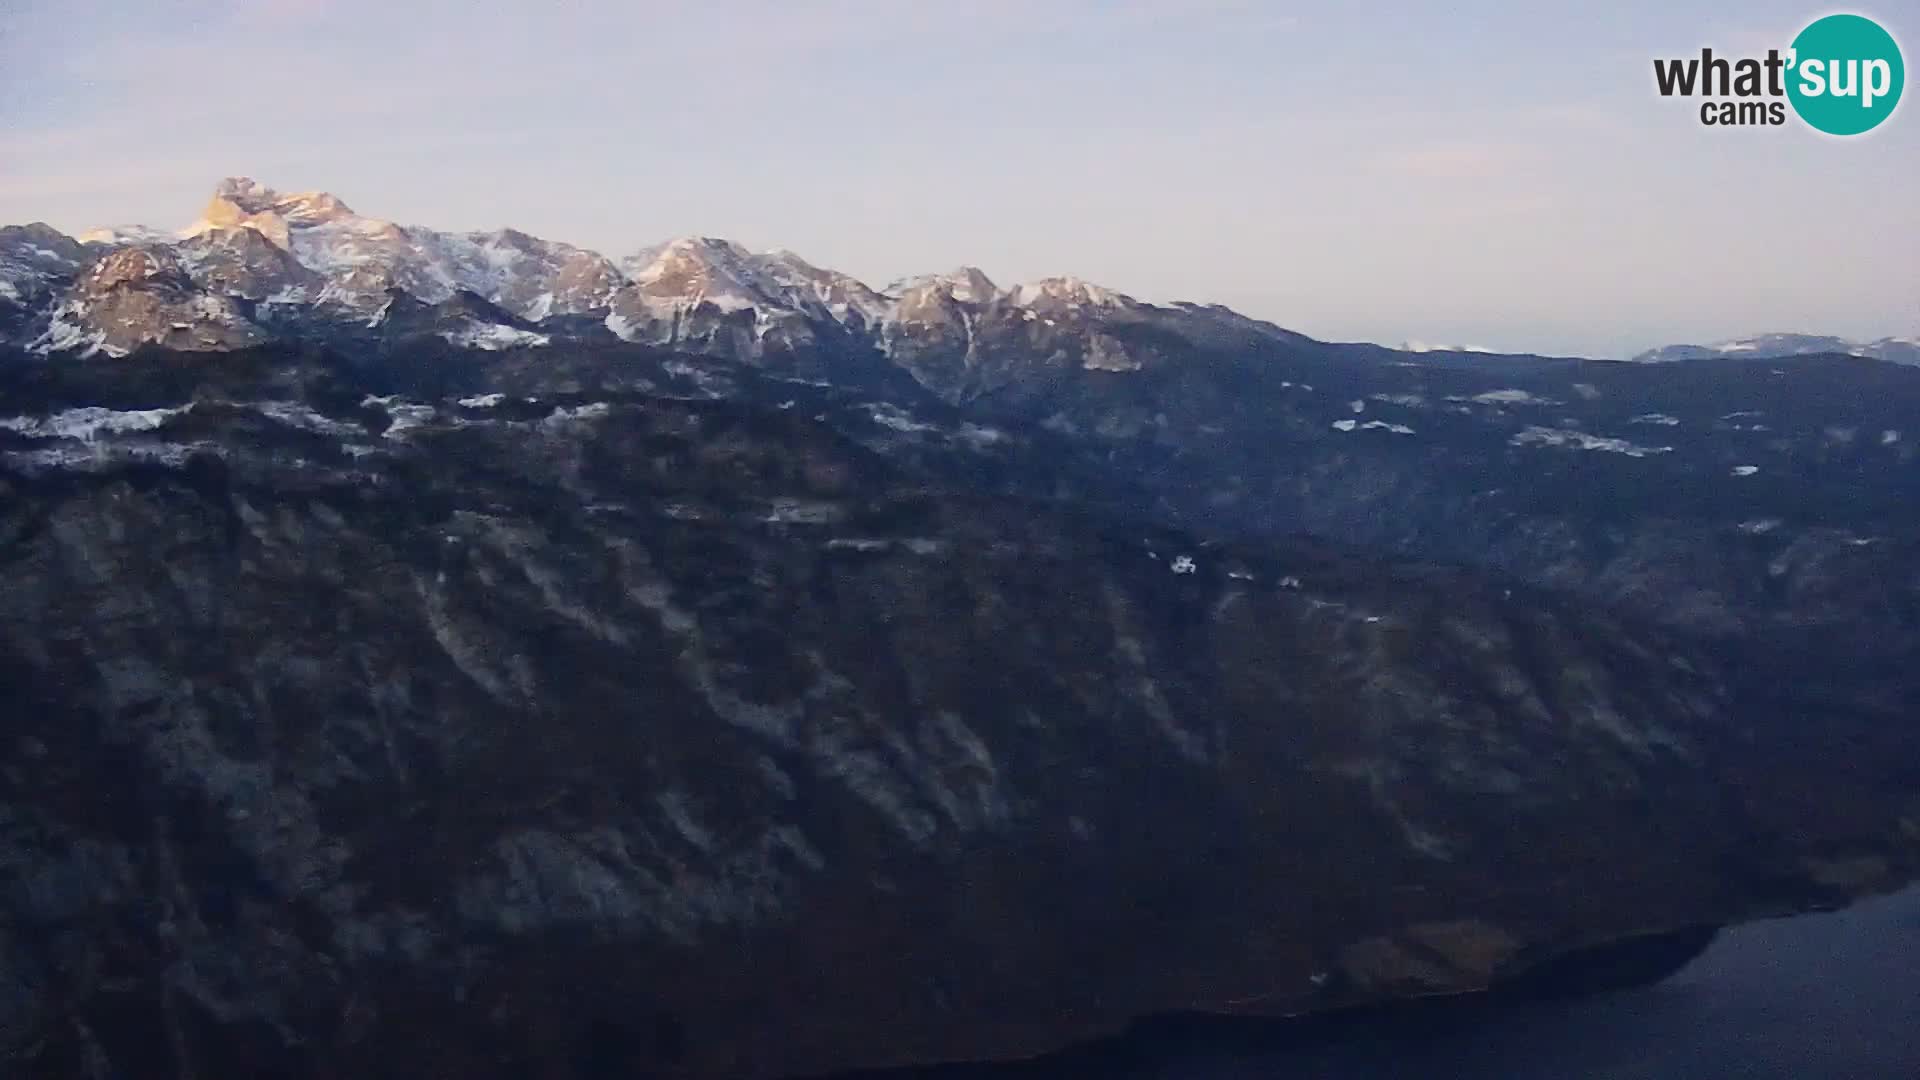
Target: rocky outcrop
{"points": [[969, 341], [717, 298], [140, 295], [244, 263], [37, 261], [531, 277], [357, 259]]}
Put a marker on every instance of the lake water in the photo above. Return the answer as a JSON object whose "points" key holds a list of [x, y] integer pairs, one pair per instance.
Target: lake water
{"points": [[1832, 995]]}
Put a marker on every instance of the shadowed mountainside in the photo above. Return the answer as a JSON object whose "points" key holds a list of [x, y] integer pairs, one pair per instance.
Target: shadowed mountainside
{"points": [[613, 707]]}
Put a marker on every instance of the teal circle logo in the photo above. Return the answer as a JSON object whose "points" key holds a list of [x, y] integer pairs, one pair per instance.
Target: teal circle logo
{"points": [[1845, 75]]}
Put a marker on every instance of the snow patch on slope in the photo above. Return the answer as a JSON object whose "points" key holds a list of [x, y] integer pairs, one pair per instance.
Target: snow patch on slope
{"points": [[1509, 397], [1371, 425], [1580, 440], [90, 423], [494, 336]]}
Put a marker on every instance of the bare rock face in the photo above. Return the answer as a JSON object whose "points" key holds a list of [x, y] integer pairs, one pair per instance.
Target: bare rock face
{"points": [[37, 261], [246, 205], [245, 263], [368, 730], [965, 339], [531, 277], [140, 295], [716, 297], [356, 259], [37, 252]]}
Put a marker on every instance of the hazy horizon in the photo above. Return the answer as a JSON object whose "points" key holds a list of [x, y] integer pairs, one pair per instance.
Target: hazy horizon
{"points": [[1502, 176]]}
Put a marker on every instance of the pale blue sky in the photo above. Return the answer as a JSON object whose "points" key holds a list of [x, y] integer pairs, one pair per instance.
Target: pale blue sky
{"points": [[1495, 173]]}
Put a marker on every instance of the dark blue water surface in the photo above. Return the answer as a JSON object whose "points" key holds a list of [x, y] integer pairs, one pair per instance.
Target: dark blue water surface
{"points": [[1830, 995]]}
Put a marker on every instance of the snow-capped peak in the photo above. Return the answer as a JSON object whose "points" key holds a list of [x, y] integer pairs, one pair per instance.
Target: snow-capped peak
{"points": [[244, 188], [118, 235], [1069, 292], [689, 259], [840, 295], [362, 257], [968, 285], [694, 270], [252, 197], [241, 202], [1428, 347]]}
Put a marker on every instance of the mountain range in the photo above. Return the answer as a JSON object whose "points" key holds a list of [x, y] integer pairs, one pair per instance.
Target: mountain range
{"points": [[259, 265], [461, 655], [1894, 350], [263, 266]]}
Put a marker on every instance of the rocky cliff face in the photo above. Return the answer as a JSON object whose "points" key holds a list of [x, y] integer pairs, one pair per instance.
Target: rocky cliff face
{"points": [[142, 295], [628, 715], [36, 262]]}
